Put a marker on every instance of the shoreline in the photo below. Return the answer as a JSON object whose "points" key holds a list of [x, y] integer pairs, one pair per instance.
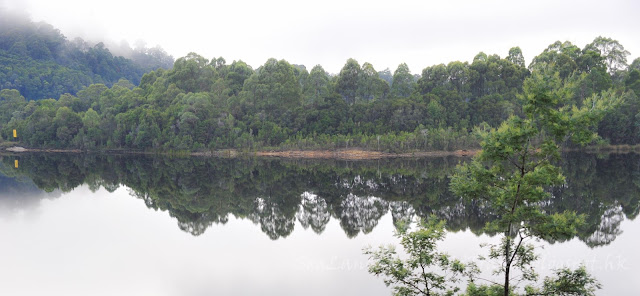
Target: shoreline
{"points": [[346, 154], [349, 154], [360, 154]]}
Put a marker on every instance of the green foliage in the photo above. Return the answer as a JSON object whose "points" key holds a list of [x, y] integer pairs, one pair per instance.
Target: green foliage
{"points": [[347, 80], [515, 56], [514, 170], [206, 105], [273, 89], [370, 86], [414, 275], [316, 87], [403, 82], [484, 290], [37, 60], [614, 54], [567, 282]]}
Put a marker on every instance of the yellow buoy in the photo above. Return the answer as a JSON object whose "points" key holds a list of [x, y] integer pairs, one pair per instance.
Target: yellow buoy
{"points": [[15, 133], [16, 163]]}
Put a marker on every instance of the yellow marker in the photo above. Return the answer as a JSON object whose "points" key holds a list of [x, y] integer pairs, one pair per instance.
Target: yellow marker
{"points": [[16, 163], [15, 133]]}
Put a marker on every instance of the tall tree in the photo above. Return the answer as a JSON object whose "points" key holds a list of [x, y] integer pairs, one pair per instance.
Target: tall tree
{"points": [[510, 174], [273, 88], [515, 56], [433, 77], [403, 83], [612, 51], [239, 71], [192, 73], [559, 56], [347, 81], [370, 86], [459, 76], [317, 85]]}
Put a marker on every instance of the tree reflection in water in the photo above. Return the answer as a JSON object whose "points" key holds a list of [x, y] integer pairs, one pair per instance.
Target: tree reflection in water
{"points": [[274, 193]]}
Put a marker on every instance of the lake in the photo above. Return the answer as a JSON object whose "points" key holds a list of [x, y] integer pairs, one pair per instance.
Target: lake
{"points": [[93, 224]]}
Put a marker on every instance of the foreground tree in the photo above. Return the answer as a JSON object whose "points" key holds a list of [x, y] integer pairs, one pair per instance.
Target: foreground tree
{"points": [[511, 174], [426, 271]]}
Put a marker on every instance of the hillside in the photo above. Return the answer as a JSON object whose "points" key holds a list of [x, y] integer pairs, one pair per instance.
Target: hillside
{"points": [[40, 62]]}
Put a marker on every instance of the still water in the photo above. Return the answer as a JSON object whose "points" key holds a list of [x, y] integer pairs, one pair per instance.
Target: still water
{"points": [[137, 225]]}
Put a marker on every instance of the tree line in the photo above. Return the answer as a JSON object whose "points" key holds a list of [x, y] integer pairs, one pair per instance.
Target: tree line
{"points": [[202, 104]]}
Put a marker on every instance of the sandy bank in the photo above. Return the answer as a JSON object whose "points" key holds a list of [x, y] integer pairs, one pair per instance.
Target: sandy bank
{"points": [[353, 154]]}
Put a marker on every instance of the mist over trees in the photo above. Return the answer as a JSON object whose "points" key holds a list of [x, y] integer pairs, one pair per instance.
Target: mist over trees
{"points": [[67, 94], [42, 63]]}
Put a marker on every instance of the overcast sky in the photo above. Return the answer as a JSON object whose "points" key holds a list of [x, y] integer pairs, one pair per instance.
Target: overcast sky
{"points": [[328, 32]]}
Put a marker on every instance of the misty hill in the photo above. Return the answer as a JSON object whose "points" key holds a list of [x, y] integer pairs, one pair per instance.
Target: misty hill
{"points": [[40, 62]]}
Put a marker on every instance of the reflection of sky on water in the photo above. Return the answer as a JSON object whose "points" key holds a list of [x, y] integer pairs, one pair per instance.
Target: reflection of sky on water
{"points": [[615, 265], [302, 229], [19, 196], [112, 244]]}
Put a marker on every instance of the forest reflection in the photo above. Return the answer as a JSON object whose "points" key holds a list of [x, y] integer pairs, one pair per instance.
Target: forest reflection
{"points": [[275, 193]]}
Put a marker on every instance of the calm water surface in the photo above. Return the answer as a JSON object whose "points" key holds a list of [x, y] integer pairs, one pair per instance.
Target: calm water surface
{"points": [[122, 225]]}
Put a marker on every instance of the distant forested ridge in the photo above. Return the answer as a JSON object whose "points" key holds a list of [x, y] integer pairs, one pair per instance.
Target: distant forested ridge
{"points": [[37, 60], [201, 104]]}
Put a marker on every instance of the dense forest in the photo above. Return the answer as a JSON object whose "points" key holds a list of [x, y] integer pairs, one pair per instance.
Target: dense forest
{"points": [[200, 104], [37, 60], [274, 194]]}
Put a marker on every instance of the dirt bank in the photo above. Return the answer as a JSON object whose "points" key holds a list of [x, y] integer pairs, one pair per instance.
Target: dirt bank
{"points": [[354, 154], [359, 154], [22, 149]]}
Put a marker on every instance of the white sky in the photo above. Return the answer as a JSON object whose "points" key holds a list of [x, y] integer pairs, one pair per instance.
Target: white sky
{"points": [[384, 33]]}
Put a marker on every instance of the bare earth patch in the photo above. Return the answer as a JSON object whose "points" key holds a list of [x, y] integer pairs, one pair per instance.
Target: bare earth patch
{"points": [[360, 154], [22, 149], [351, 154], [16, 149]]}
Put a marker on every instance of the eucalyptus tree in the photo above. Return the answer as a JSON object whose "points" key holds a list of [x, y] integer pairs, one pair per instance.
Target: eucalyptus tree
{"points": [[403, 82], [273, 88], [238, 72], [347, 80], [612, 51], [558, 56], [516, 166], [192, 73], [433, 77], [515, 56], [317, 85], [370, 85]]}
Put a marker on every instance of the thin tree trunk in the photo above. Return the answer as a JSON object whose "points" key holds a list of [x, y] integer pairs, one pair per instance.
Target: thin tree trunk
{"points": [[507, 263]]}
